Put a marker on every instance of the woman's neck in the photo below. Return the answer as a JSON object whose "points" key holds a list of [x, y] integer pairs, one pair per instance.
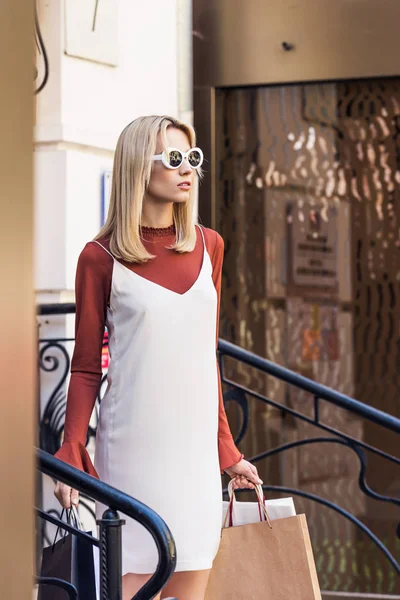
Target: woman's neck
{"points": [[157, 217], [157, 224]]}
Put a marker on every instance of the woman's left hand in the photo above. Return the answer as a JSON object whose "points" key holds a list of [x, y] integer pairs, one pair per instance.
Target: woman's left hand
{"points": [[245, 475]]}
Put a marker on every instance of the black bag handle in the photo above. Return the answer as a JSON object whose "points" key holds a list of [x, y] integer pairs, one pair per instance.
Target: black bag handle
{"points": [[70, 514]]}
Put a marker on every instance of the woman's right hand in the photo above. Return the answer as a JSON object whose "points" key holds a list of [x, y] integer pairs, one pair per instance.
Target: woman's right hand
{"points": [[66, 495]]}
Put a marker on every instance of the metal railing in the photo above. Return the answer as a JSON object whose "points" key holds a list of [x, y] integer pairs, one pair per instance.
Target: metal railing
{"points": [[240, 394], [319, 391], [109, 540], [54, 359]]}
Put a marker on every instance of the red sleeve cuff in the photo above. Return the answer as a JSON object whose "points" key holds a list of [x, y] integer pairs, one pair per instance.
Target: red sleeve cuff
{"points": [[228, 453], [76, 455]]}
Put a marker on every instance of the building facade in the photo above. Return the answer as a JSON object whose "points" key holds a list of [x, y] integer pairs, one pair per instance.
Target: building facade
{"points": [[298, 105], [107, 66]]}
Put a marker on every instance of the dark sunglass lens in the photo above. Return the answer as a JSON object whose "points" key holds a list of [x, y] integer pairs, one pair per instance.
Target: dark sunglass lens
{"points": [[175, 158], [194, 158]]}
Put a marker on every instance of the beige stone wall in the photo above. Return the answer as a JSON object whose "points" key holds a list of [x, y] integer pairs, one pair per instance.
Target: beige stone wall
{"points": [[17, 340]]}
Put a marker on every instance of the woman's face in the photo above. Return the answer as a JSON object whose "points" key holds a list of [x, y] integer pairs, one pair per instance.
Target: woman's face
{"points": [[171, 185]]}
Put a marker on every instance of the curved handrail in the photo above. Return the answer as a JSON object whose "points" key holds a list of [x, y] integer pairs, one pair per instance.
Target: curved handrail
{"points": [[318, 392], [316, 389], [56, 308], [114, 498]]}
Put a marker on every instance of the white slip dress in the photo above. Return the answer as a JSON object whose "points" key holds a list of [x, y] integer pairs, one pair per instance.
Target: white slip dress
{"points": [[157, 437]]}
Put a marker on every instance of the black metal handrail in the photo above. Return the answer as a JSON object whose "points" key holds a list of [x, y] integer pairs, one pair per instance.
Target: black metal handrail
{"points": [[318, 390], [238, 393], [56, 308], [119, 501]]}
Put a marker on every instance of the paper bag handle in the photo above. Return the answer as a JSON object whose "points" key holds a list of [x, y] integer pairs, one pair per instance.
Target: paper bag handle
{"points": [[261, 501]]}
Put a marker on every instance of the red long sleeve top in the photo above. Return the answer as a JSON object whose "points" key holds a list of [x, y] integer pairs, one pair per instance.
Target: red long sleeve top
{"points": [[92, 287]]}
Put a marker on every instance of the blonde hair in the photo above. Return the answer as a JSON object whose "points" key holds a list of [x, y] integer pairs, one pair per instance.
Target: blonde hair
{"points": [[130, 179]]}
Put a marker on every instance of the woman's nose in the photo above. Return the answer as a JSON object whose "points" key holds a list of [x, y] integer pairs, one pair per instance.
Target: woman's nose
{"points": [[185, 168]]}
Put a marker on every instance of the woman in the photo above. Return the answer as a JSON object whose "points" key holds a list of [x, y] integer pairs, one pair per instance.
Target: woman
{"points": [[153, 278]]}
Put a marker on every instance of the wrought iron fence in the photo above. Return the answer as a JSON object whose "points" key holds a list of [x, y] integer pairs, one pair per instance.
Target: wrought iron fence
{"points": [[109, 540], [54, 358], [234, 365], [364, 561]]}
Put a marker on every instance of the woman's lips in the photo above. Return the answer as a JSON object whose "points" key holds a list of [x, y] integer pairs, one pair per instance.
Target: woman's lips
{"points": [[185, 185]]}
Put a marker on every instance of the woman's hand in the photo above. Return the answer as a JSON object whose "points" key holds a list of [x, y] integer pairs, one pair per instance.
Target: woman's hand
{"points": [[245, 475], [66, 495]]}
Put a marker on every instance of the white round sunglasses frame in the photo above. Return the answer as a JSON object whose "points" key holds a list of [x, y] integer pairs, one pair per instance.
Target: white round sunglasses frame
{"points": [[163, 157]]}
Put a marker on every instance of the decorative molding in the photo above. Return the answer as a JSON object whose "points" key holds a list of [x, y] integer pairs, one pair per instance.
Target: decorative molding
{"points": [[68, 137]]}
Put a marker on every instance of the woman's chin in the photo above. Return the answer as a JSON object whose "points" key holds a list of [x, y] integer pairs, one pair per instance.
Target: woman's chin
{"points": [[182, 198]]}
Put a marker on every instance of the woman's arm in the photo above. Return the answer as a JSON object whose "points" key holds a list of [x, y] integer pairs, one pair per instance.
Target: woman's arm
{"points": [[231, 460], [228, 453], [92, 288]]}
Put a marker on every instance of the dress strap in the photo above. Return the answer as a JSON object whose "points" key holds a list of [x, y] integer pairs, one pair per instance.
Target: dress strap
{"points": [[101, 246], [202, 235]]}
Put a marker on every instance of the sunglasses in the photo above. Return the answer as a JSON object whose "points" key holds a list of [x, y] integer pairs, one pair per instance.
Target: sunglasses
{"points": [[172, 158]]}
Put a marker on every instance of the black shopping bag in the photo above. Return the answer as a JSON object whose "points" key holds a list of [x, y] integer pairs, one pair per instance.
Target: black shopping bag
{"points": [[69, 559]]}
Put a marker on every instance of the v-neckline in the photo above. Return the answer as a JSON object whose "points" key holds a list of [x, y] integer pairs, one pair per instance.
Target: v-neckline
{"points": [[162, 286]]}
